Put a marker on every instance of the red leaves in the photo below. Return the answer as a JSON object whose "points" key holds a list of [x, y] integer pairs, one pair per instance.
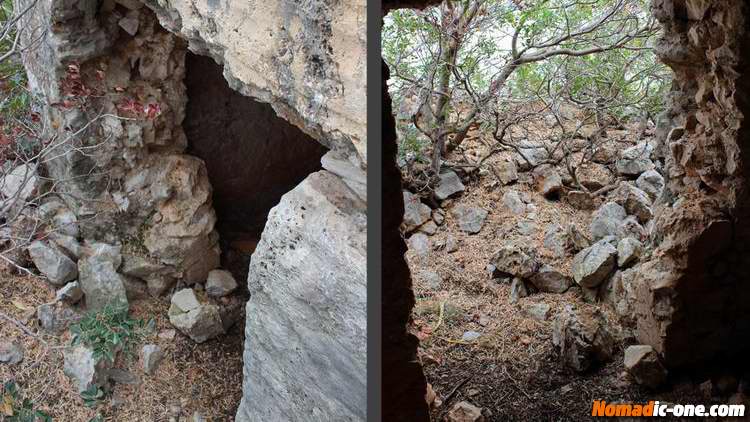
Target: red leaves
{"points": [[136, 109], [153, 110]]}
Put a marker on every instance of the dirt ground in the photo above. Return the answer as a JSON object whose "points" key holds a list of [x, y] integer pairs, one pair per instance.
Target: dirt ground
{"points": [[206, 378], [512, 370]]}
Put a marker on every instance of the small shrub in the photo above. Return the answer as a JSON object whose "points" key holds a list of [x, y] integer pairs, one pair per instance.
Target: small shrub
{"points": [[15, 408], [108, 331]]}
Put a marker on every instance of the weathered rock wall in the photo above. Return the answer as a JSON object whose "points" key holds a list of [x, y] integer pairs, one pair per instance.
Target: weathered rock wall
{"points": [[306, 59], [125, 172], [693, 293]]}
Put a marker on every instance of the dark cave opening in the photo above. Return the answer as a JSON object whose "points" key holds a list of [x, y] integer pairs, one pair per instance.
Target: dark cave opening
{"points": [[253, 157]]}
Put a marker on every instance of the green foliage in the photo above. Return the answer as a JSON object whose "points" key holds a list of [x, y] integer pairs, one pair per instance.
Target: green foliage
{"points": [[628, 79], [15, 408], [92, 396], [412, 144], [108, 331]]}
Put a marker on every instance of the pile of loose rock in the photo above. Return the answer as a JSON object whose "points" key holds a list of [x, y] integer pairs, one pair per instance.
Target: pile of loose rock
{"points": [[620, 187]]}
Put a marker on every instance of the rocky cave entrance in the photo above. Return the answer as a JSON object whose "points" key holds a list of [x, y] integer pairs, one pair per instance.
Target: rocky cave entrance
{"points": [[253, 157]]}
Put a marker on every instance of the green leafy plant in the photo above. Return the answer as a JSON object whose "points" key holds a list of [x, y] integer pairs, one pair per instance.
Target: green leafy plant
{"points": [[108, 331], [92, 396], [15, 408]]}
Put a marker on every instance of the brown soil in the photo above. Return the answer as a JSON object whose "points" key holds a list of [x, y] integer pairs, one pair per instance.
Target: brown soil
{"points": [[192, 377], [512, 371]]}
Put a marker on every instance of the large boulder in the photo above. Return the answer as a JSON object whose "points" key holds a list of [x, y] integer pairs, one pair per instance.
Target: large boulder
{"points": [[52, 262], [300, 296], [101, 283], [594, 264], [606, 220], [583, 339]]}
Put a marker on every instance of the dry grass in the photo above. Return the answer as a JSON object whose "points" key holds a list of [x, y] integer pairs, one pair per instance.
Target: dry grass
{"points": [[512, 370], [193, 377]]}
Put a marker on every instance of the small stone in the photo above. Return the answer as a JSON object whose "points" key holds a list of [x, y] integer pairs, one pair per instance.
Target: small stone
{"points": [[197, 417], [517, 290], [152, 356], [167, 334], [200, 322], [470, 219], [537, 311], [121, 376], [606, 220], [129, 24], [511, 261], [643, 364], [576, 239], [415, 212], [506, 172], [438, 216], [70, 293], [549, 280], [220, 283], [593, 176], [512, 201], [420, 244], [635, 160], [185, 300], [580, 200], [635, 202], [470, 336], [429, 228], [451, 244], [465, 412], [628, 251], [448, 184], [594, 264], [54, 318], [432, 280], [555, 240], [21, 183], [652, 183], [526, 227], [10, 353], [83, 369], [101, 283], [548, 181], [583, 339], [52, 262]]}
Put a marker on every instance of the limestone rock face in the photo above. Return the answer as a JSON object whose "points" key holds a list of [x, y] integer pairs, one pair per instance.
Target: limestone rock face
{"points": [[695, 281], [306, 59], [300, 296]]}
